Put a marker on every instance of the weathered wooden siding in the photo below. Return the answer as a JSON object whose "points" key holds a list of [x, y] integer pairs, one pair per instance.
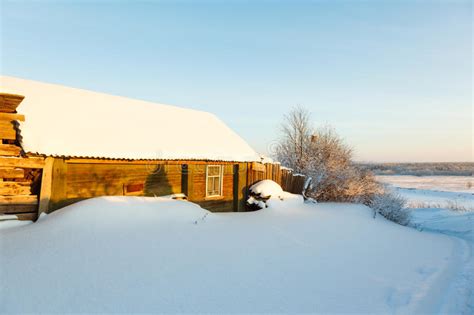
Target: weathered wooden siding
{"points": [[66, 181], [77, 179], [289, 181], [74, 180]]}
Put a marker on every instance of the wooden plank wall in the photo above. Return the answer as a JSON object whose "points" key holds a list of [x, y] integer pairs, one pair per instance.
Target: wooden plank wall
{"points": [[20, 177], [77, 179], [289, 181]]}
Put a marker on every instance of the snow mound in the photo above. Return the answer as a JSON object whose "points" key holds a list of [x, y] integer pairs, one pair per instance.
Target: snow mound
{"points": [[268, 193], [266, 188], [127, 211]]}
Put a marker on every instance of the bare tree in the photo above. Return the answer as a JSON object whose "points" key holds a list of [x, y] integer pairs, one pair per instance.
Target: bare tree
{"points": [[296, 133], [324, 156]]}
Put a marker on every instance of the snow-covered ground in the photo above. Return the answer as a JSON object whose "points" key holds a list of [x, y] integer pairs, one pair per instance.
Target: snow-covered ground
{"points": [[137, 254], [445, 205], [438, 183]]}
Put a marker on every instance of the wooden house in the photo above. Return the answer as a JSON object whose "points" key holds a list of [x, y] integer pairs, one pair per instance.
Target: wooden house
{"points": [[61, 145]]}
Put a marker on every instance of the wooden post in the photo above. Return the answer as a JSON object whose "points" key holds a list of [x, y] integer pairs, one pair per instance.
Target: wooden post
{"points": [[46, 185], [235, 187], [184, 179], [243, 189], [58, 186]]}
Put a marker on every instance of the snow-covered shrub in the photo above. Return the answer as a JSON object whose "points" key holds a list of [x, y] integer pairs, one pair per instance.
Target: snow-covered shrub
{"points": [[455, 205], [261, 192], [391, 206]]}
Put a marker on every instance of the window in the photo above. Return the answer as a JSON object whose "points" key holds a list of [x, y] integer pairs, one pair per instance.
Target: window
{"points": [[214, 180]]}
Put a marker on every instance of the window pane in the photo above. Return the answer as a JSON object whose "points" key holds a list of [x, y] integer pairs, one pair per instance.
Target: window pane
{"points": [[213, 170], [216, 185], [210, 181]]}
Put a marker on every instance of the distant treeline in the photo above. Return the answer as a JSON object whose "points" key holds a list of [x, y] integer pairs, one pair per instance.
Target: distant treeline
{"points": [[421, 169]]}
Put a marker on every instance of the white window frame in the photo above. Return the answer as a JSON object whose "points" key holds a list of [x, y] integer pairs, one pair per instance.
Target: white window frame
{"points": [[221, 178]]}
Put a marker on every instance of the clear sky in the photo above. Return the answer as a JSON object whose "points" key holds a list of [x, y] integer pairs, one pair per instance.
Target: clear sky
{"points": [[394, 78]]}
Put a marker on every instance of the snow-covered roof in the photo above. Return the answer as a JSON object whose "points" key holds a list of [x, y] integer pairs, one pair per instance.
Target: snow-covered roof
{"points": [[65, 121]]}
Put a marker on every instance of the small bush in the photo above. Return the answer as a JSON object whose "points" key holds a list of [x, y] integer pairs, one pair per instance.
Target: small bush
{"points": [[453, 205], [391, 206]]}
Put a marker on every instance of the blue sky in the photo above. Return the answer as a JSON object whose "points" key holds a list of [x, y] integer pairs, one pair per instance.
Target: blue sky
{"points": [[394, 78]]}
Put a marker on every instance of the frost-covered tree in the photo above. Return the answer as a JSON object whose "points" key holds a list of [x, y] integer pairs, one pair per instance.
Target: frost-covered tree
{"points": [[323, 155]]}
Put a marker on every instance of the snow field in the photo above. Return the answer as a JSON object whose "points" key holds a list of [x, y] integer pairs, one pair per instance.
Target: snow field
{"points": [[138, 254]]}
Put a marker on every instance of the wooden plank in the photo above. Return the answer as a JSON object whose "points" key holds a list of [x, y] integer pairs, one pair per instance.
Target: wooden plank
{"points": [[7, 124], [184, 179], [9, 150], [11, 172], [235, 187], [17, 208], [259, 167], [9, 102], [46, 185], [30, 162], [32, 216], [10, 117], [58, 185], [243, 174], [14, 188], [8, 133], [19, 199]]}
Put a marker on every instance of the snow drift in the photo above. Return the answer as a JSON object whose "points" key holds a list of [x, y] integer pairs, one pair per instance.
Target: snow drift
{"points": [[267, 188], [267, 191], [157, 255]]}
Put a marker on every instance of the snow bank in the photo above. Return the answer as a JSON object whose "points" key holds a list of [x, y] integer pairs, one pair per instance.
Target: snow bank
{"points": [[460, 297], [92, 125], [455, 223], [457, 184], [267, 192], [432, 200], [266, 188], [155, 255], [12, 223]]}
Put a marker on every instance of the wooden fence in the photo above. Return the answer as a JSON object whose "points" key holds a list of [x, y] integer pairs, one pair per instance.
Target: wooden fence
{"points": [[286, 178]]}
